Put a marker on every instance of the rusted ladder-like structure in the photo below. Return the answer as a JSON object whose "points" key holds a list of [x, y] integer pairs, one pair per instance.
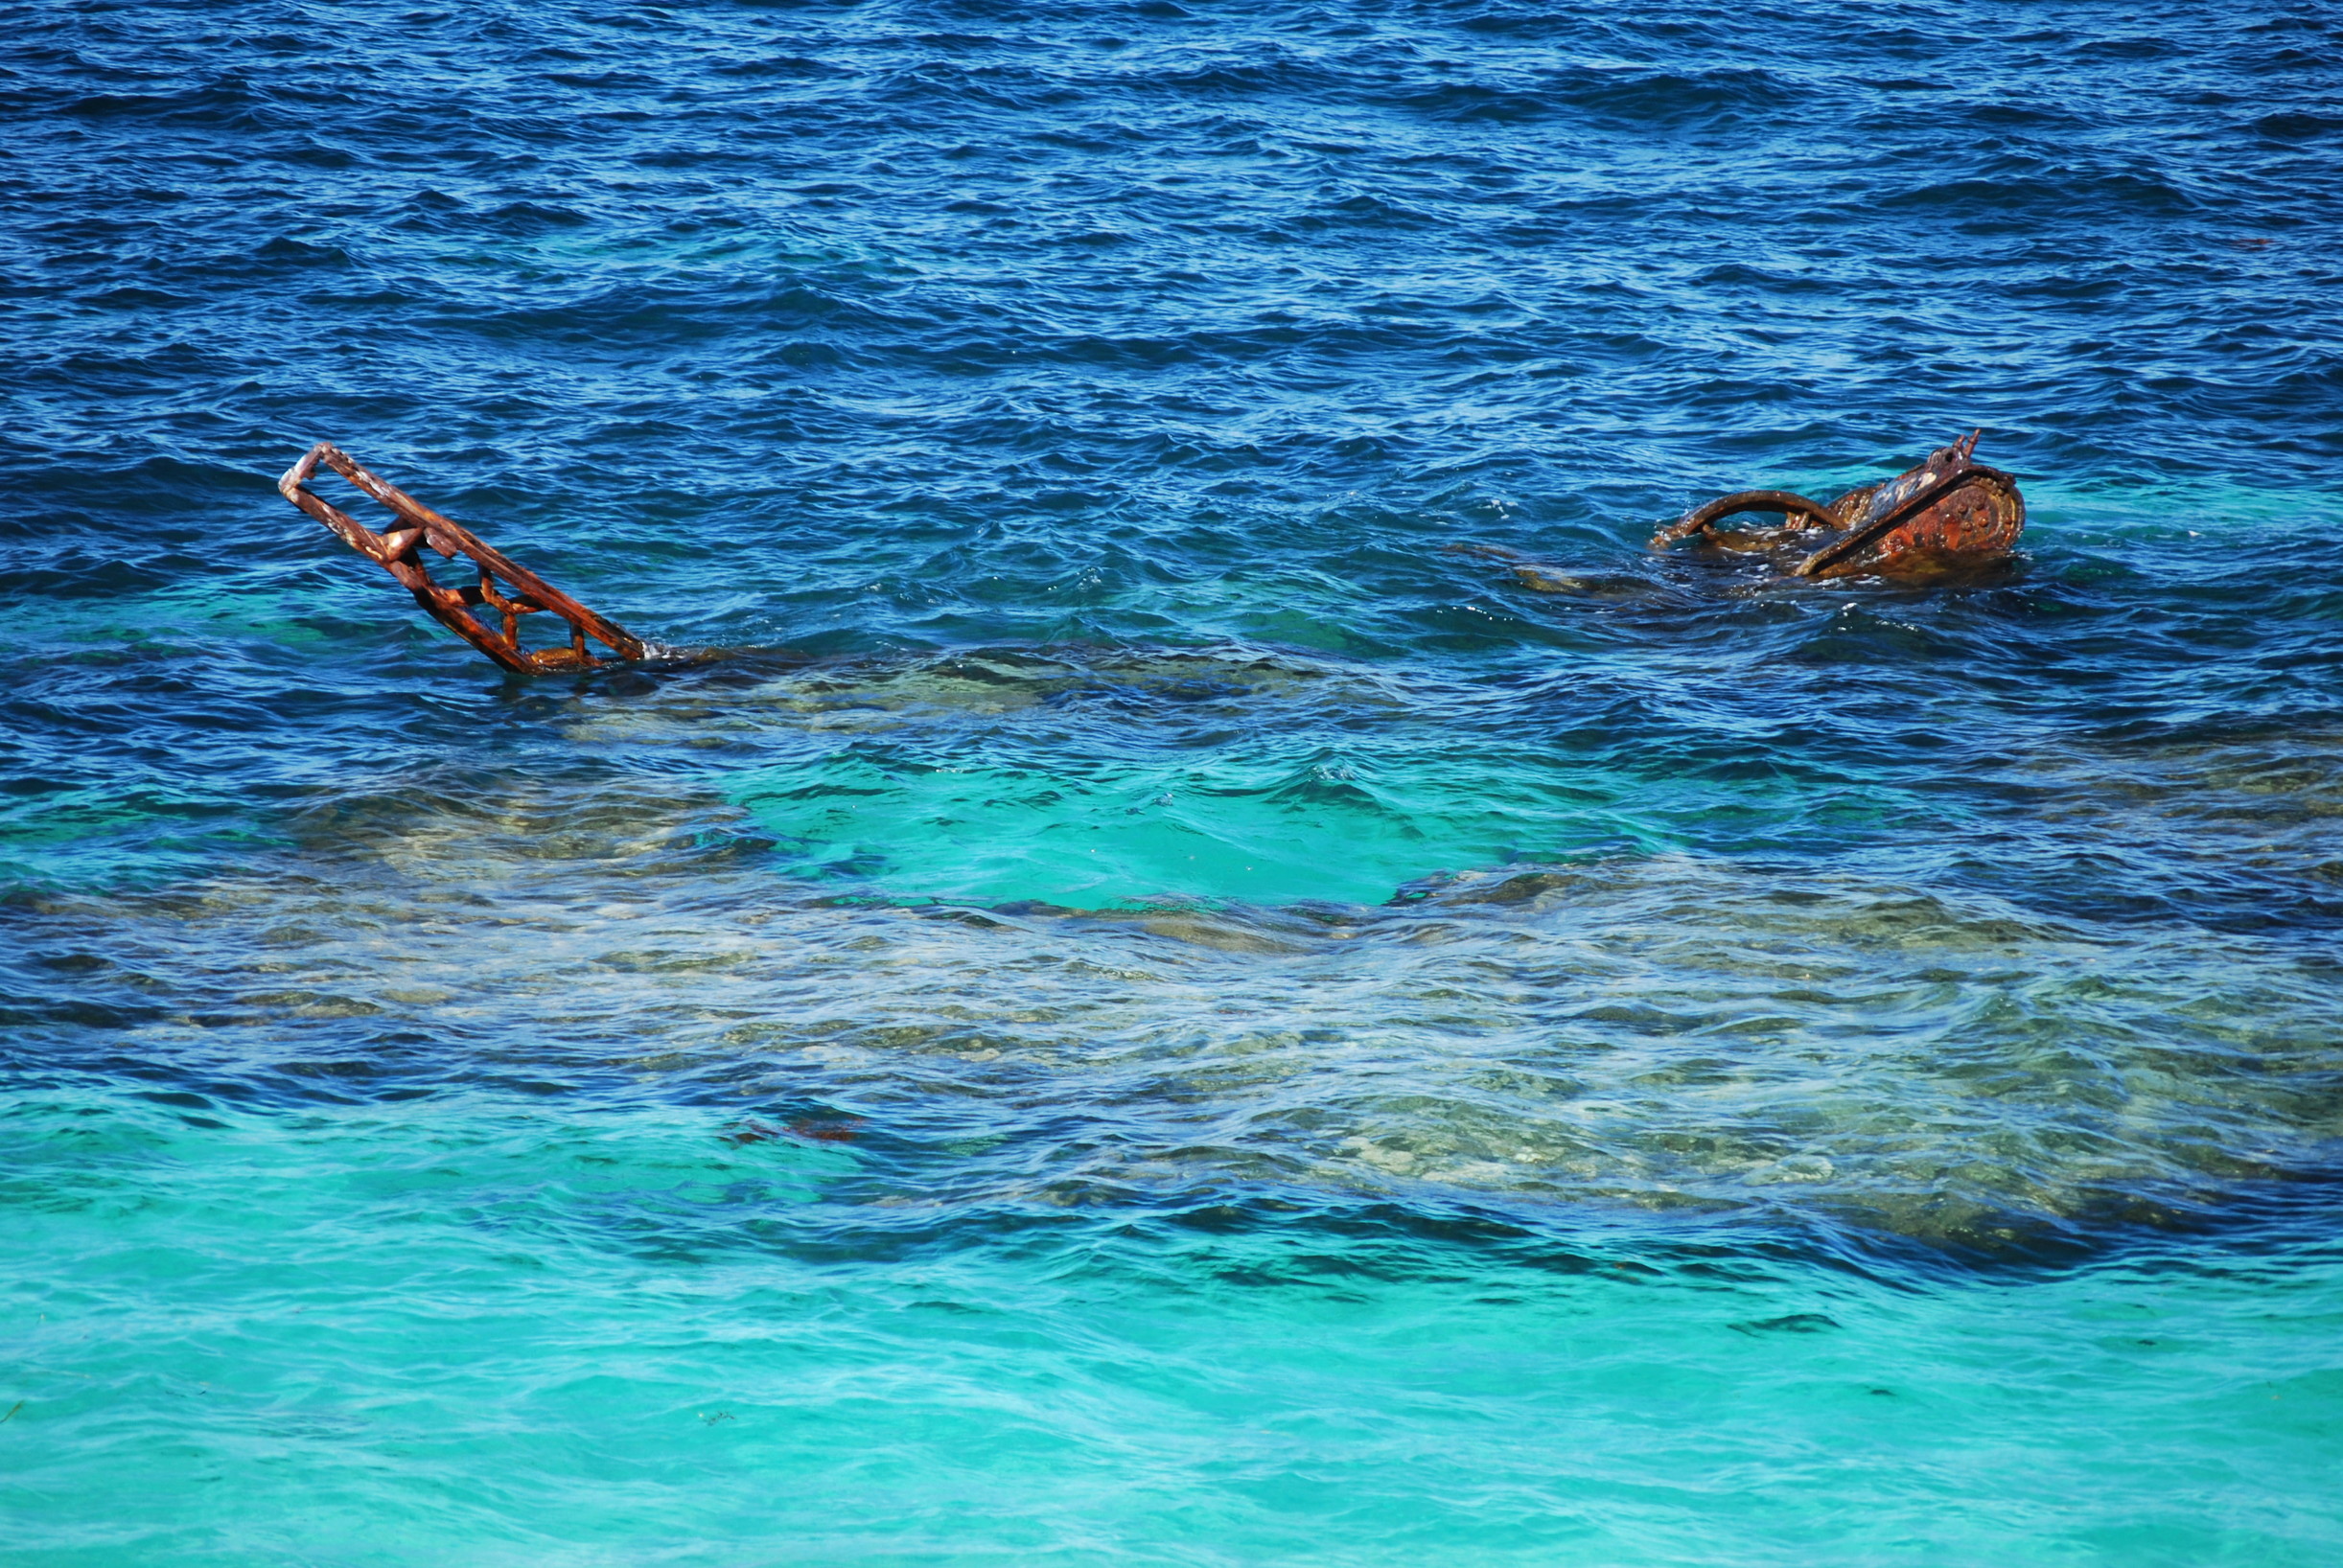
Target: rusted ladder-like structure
{"points": [[487, 615]]}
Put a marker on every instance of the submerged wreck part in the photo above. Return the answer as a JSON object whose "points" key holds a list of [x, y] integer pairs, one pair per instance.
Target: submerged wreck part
{"points": [[1951, 510], [488, 615]]}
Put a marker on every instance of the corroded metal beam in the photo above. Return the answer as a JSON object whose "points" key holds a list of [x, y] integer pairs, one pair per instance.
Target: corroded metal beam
{"points": [[487, 615]]}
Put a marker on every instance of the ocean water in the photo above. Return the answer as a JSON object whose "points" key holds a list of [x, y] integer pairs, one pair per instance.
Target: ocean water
{"points": [[1141, 1008]]}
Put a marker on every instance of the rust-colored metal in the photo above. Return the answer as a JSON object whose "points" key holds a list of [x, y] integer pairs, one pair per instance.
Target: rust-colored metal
{"points": [[487, 615], [1950, 512]]}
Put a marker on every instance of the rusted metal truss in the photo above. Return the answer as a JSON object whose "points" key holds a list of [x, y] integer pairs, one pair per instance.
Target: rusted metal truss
{"points": [[487, 615], [1950, 512]]}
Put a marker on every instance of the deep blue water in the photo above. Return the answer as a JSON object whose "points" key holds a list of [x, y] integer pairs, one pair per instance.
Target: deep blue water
{"points": [[1148, 1010]]}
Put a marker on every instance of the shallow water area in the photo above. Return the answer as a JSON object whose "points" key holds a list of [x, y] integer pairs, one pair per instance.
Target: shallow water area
{"points": [[1140, 1004]]}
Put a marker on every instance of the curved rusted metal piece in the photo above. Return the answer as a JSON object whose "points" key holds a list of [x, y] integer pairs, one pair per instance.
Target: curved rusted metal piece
{"points": [[506, 588], [1700, 519]]}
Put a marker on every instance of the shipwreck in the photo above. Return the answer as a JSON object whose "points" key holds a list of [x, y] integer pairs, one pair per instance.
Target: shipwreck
{"points": [[1949, 513]]}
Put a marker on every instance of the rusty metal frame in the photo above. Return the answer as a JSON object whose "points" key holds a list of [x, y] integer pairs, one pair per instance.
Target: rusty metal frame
{"points": [[506, 588]]}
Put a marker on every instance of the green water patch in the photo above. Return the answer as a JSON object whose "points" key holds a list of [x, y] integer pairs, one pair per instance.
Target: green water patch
{"points": [[1264, 826], [107, 836]]}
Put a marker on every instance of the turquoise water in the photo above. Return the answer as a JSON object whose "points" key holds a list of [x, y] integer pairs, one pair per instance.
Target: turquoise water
{"points": [[1137, 1005], [488, 1332]]}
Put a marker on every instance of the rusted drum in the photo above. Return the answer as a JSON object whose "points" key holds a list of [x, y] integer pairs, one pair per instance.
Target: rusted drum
{"points": [[1949, 513]]}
